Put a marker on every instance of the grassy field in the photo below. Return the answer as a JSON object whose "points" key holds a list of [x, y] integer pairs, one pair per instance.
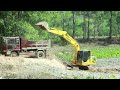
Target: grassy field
{"points": [[98, 51]]}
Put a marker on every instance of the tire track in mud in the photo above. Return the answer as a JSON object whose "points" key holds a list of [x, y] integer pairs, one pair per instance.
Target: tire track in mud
{"points": [[93, 68], [104, 70]]}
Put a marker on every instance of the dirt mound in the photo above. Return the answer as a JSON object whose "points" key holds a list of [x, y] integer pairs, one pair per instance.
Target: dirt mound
{"points": [[15, 61], [20, 67]]}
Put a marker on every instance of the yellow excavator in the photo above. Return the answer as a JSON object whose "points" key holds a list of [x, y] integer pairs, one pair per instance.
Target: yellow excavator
{"points": [[81, 58]]}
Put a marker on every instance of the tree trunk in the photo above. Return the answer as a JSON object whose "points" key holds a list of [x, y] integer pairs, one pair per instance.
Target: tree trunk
{"points": [[73, 24], [5, 27], [2, 30], [110, 33], [94, 29], [64, 42], [63, 27], [84, 27], [88, 34], [118, 32]]}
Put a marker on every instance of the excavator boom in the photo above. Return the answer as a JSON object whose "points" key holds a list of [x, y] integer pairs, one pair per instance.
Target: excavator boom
{"points": [[81, 58], [66, 36]]}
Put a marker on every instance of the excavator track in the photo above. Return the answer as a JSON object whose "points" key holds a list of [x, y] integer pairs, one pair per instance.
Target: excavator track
{"points": [[70, 66]]}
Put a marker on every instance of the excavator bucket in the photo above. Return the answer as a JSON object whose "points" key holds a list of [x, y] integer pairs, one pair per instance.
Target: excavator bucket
{"points": [[43, 25]]}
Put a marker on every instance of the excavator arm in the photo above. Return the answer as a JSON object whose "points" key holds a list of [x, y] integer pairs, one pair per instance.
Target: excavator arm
{"points": [[81, 58], [67, 37]]}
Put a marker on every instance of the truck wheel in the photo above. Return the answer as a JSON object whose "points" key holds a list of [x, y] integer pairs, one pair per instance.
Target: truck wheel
{"points": [[40, 54], [14, 54]]}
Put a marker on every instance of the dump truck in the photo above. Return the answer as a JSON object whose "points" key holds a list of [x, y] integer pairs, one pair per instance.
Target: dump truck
{"points": [[15, 46], [81, 58]]}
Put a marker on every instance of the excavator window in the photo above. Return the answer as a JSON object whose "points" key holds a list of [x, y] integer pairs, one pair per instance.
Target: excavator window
{"points": [[83, 55]]}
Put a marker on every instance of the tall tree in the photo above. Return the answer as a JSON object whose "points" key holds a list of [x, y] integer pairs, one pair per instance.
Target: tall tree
{"points": [[118, 24], [73, 13], [88, 33], [110, 32], [83, 23]]}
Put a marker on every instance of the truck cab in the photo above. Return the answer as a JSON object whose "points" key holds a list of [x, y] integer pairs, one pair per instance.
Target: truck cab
{"points": [[10, 46]]}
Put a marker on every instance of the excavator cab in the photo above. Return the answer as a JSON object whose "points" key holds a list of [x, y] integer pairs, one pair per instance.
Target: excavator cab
{"points": [[83, 56]]}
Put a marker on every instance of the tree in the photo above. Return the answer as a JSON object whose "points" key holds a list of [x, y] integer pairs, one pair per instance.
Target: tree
{"points": [[88, 33], [83, 24], [110, 32], [73, 13], [118, 23]]}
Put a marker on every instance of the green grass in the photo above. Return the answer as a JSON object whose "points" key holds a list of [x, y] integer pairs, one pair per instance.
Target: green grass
{"points": [[65, 56], [96, 50], [106, 52]]}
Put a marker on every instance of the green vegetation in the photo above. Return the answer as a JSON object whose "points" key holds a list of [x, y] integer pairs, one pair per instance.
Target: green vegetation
{"points": [[96, 50], [84, 24], [65, 56], [106, 52], [112, 77]]}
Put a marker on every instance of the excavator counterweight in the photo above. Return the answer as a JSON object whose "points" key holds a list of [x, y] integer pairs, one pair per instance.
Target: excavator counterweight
{"points": [[81, 58]]}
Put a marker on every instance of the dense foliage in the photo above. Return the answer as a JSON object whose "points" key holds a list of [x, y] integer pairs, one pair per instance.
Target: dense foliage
{"points": [[83, 24]]}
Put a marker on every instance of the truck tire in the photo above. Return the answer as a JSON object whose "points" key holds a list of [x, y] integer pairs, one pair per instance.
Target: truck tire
{"points": [[40, 54], [14, 54]]}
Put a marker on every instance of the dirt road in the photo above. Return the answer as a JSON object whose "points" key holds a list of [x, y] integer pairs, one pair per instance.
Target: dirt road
{"points": [[34, 68]]}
